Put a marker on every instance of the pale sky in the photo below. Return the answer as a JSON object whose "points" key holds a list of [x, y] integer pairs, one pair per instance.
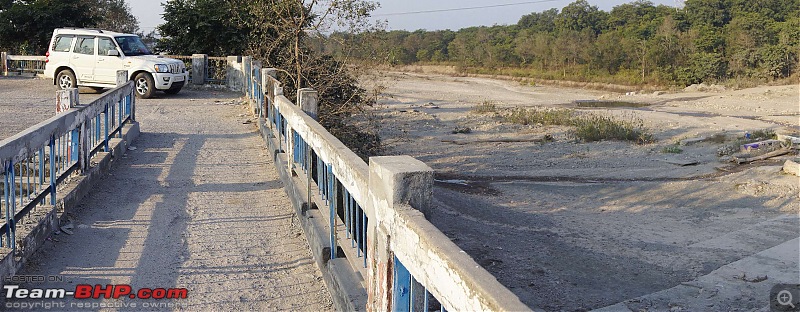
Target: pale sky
{"points": [[149, 12]]}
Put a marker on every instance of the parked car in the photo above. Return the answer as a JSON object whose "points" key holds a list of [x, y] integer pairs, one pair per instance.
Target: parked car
{"points": [[91, 58]]}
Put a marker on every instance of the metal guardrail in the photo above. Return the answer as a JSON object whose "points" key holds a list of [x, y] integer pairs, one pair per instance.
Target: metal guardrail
{"points": [[37, 161], [216, 69], [22, 64]]}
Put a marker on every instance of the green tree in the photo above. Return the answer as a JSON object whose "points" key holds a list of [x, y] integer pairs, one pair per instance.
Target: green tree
{"points": [[539, 22], [211, 27], [26, 26], [579, 15], [114, 15], [707, 12]]}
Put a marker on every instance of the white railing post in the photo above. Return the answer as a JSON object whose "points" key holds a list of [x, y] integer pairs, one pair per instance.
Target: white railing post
{"points": [[393, 181], [199, 68], [66, 99], [122, 77], [234, 76], [247, 68], [266, 75], [4, 63], [308, 100]]}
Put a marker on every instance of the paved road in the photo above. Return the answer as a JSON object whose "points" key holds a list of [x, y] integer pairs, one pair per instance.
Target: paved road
{"points": [[196, 205]]}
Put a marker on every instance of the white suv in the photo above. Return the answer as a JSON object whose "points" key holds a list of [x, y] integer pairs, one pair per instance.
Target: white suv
{"points": [[91, 58]]}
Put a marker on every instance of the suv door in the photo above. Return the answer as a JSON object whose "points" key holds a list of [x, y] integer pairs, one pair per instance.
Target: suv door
{"points": [[107, 65], [84, 58]]}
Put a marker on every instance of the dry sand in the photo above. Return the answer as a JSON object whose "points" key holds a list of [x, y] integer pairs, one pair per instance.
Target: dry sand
{"points": [[569, 225]]}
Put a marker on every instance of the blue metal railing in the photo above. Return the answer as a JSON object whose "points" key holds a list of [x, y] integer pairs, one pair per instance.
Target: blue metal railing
{"points": [[33, 166], [343, 209], [406, 292]]}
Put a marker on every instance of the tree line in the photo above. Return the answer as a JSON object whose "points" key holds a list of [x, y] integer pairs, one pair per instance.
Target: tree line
{"points": [[26, 26], [634, 43]]}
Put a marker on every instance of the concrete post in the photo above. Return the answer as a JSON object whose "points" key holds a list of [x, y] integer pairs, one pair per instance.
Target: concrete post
{"points": [[308, 100], [247, 63], [233, 74], [393, 181], [278, 88], [255, 86], [4, 63], [66, 99], [266, 75], [199, 68], [122, 77], [402, 180]]}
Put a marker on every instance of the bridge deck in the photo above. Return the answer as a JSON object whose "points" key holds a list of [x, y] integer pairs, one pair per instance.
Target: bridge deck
{"points": [[196, 205]]}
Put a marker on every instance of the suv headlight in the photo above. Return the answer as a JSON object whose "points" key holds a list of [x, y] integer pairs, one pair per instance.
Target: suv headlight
{"points": [[161, 68]]}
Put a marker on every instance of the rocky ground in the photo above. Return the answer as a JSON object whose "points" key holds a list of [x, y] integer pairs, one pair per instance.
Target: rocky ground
{"points": [[569, 225]]}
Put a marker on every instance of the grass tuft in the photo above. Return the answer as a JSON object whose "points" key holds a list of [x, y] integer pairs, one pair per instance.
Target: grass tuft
{"points": [[588, 127], [485, 107], [543, 116], [592, 127], [671, 149]]}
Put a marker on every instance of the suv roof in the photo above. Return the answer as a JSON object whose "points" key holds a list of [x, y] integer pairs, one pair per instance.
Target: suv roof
{"points": [[87, 31]]}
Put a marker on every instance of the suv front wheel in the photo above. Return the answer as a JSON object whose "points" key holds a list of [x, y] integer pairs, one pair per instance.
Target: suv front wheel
{"points": [[145, 87], [65, 79]]}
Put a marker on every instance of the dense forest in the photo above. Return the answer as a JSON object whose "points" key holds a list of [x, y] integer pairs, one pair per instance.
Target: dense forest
{"points": [[635, 43]]}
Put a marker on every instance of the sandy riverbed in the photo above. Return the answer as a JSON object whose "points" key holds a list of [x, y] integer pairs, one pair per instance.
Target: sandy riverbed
{"points": [[568, 225]]}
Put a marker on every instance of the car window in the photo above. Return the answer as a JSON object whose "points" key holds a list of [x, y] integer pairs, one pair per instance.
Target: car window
{"points": [[104, 45], [63, 43], [85, 45], [132, 46]]}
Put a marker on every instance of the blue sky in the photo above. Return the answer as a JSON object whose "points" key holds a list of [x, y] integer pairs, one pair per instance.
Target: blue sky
{"points": [[149, 12]]}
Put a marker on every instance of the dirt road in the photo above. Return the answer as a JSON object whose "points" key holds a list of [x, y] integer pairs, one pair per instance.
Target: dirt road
{"points": [[196, 205], [26, 101], [568, 225]]}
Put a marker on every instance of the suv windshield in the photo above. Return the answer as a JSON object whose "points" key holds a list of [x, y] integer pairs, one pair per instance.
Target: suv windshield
{"points": [[132, 46]]}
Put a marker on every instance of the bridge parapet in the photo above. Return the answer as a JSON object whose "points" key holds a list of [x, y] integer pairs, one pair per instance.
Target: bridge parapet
{"points": [[366, 223], [47, 164]]}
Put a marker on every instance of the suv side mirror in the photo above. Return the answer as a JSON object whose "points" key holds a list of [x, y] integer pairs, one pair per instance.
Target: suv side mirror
{"points": [[112, 53]]}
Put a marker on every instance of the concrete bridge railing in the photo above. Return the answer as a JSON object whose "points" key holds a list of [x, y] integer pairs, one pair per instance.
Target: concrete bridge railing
{"points": [[45, 166], [366, 222]]}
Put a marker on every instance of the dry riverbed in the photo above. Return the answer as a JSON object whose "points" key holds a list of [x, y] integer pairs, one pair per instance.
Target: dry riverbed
{"points": [[568, 225]]}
